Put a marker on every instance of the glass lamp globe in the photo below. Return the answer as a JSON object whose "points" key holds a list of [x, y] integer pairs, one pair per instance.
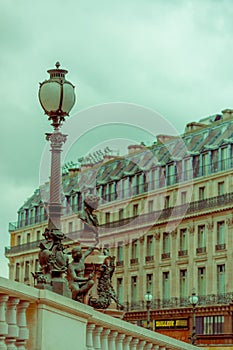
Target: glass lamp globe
{"points": [[193, 299], [148, 296], [57, 95]]}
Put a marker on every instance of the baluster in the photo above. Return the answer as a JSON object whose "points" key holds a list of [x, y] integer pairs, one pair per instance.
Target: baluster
{"points": [[111, 340], [3, 324], [89, 335], [13, 330], [126, 342], [148, 346], [96, 333], [119, 341], [22, 324], [104, 339], [141, 345], [133, 344]]}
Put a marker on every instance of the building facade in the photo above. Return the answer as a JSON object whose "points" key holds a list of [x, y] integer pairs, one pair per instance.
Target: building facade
{"points": [[166, 213]]}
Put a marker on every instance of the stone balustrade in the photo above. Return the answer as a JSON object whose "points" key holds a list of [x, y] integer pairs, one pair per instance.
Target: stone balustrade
{"points": [[42, 320]]}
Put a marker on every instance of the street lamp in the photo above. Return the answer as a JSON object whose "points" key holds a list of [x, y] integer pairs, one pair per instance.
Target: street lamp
{"points": [[193, 299], [148, 298], [57, 98]]}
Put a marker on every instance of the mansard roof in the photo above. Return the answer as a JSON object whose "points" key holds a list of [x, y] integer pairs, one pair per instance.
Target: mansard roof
{"points": [[205, 138]]}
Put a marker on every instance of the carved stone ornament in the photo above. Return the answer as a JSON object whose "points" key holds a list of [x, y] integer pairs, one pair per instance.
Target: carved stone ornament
{"points": [[191, 228], [174, 233], [157, 235], [210, 225], [229, 220]]}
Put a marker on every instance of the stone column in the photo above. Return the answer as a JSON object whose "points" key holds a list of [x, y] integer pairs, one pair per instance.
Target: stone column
{"points": [[119, 341], [133, 344], [148, 346], [22, 324], [3, 324], [89, 335], [126, 342], [96, 333], [111, 340], [13, 330], [104, 339]]}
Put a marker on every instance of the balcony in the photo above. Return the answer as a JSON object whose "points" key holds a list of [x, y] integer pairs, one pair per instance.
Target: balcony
{"points": [[166, 256], [120, 263], [183, 252], [149, 258], [221, 246], [201, 250], [172, 303], [134, 261], [177, 211]]}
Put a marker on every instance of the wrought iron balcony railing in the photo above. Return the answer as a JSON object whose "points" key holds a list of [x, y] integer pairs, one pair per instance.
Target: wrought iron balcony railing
{"points": [[149, 258], [183, 252], [172, 303], [220, 246], [200, 250], [165, 255]]}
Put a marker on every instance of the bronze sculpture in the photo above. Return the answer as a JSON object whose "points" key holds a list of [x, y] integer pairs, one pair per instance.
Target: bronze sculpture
{"points": [[78, 283]]}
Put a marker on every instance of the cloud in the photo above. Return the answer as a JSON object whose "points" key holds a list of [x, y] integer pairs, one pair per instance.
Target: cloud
{"points": [[172, 56]]}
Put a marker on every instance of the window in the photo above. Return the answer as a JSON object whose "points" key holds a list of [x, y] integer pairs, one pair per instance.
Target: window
{"points": [[149, 245], [121, 214], [214, 161], [37, 265], [220, 188], [26, 275], [167, 202], [201, 193], [201, 239], [196, 166], [28, 238], [166, 242], [135, 249], [205, 164], [134, 289], [18, 240], [171, 174], [187, 169], [183, 283], [183, 242], [38, 237], [120, 289], [183, 197], [210, 324], [17, 272], [223, 157], [201, 281], [221, 279], [220, 235], [70, 229], [120, 251], [149, 283], [150, 206], [107, 217], [166, 285], [135, 210]]}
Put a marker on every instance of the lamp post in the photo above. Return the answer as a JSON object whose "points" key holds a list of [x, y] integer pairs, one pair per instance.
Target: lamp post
{"points": [[57, 98], [148, 298], [193, 299]]}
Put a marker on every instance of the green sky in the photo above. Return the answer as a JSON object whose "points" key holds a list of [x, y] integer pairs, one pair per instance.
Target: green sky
{"points": [[173, 57]]}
